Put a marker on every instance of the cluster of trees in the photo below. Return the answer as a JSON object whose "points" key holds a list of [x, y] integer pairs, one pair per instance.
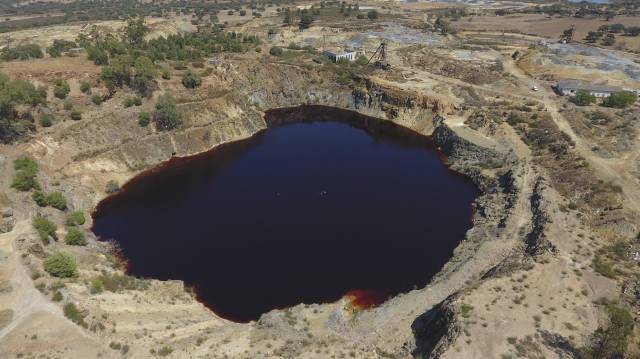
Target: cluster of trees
{"points": [[59, 47], [21, 52], [607, 33], [620, 99], [131, 60], [611, 341], [306, 17], [89, 10], [13, 123]]}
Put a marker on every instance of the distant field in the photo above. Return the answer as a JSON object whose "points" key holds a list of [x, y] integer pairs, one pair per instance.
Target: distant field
{"points": [[544, 26]]}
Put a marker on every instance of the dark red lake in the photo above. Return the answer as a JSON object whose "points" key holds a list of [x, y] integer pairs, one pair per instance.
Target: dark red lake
{"points": [[300, 213]]}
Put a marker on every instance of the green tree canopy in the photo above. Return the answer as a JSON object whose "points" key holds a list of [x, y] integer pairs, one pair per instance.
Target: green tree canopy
{"points": [[583, 98], [61, 265], [620, 99], [136, 30], [166, 114]]}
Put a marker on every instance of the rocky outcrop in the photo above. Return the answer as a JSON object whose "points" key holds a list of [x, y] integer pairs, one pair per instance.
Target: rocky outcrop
{"points": [[535, 241], [435, 330]]}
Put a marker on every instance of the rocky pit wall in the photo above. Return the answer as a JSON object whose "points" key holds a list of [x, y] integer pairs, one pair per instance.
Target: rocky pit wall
{"points": [[86, 155]]}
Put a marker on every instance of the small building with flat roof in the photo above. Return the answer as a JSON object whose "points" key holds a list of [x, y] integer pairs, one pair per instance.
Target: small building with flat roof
{"points": [[571, 87], [336, 56]]}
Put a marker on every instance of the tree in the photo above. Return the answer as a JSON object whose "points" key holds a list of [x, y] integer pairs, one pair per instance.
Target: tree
{"points": [[135, 31], [620, 99], [61, 265], [616, 28], [118, 72], [611, 342], [166, 114], [75, 237], [372, 14], [275, 51], [145, 72], [305, 20], [583, 98], [593, 36], [191, 80], [609, 40], [632, 31]]}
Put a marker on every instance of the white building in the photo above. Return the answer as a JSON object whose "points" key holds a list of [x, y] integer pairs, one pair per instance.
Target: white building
{"points": [[571, 87], [336, 56]]}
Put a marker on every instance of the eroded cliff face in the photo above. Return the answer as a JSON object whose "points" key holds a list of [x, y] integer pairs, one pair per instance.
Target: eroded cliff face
{"points": [[230, 106]]}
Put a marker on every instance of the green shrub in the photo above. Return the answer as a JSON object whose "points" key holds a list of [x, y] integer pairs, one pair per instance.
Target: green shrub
{"points": [[620, 99], [112, 187], [75, 218], [76, 115], [191, 80], [344, 79], [68, 106], [164, 351], [362, 60], [612, 341], [45, 228], [602, 267], [276, 51], [25, 163], [72, 312], [118, 282], [57, 296], [61, 265], [40, 198], [132, 101], [85, 87], [179, 65], [166, 74], [372, 14], [25, 181], [22, 52], [166, 114], [96, 286], [45, 120], [75, 237], [61, 89], [26, 171], [57, 200], [583, 98], [294, 46], [144, 118], [96, 99]]}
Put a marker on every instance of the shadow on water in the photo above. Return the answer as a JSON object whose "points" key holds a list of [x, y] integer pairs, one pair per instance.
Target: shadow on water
{"points": [[323, 204]]}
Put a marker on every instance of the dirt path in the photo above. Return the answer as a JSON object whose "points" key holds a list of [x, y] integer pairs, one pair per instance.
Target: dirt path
{"points": [[610, 170], [26, 298]]}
